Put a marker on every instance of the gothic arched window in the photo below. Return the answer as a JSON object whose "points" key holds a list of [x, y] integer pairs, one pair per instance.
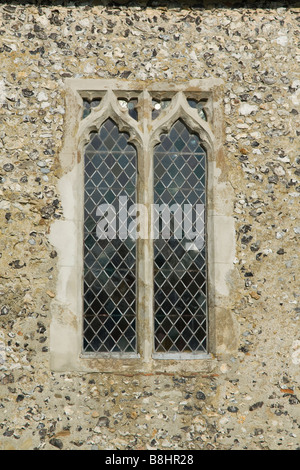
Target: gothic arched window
{"points": [[148, 280]]}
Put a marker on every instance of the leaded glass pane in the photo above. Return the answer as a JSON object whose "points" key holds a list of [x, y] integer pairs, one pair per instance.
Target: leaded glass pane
{"points": [[109, 261], [88, 105], [131, 106], [158, 106], [198, 105], [180, 258]]}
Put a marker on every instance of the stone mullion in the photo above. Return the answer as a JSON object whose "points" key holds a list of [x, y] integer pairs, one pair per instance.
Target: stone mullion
{"points": [[145, 286]]}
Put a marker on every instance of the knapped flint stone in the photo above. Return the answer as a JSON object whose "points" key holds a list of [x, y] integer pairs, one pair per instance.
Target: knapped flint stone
{"points": [[4, 310], [232, 409], [103, 422], [7, 379], [56, 443], [47, 211], [8, 167], [255, 406], [27, 93], [200, 395]]}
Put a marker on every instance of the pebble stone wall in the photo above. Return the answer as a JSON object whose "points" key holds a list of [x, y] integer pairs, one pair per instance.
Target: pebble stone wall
{"points": [[251, 400]]}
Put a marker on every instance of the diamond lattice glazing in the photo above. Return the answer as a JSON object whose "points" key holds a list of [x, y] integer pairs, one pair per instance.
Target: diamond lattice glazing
{"points": [[109, 264], [180, 265]]}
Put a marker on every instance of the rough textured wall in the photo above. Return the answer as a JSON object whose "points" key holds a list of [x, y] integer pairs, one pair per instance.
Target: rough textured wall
{"points": [[252, 398]]}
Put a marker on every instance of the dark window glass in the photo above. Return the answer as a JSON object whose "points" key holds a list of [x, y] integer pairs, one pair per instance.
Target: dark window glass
{"points": [[180, 259], [109, 263]]}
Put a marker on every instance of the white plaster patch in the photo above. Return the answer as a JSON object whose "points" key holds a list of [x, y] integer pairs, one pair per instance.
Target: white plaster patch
{"points": [[2, 349], [296, 352], [2, 92], [295, 98]]}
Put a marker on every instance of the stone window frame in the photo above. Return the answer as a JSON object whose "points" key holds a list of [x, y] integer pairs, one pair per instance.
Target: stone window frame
{"points": [[66, 234]]}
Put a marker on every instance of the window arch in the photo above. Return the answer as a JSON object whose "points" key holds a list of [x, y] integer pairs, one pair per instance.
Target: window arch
{"points": [[154, 122]]}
